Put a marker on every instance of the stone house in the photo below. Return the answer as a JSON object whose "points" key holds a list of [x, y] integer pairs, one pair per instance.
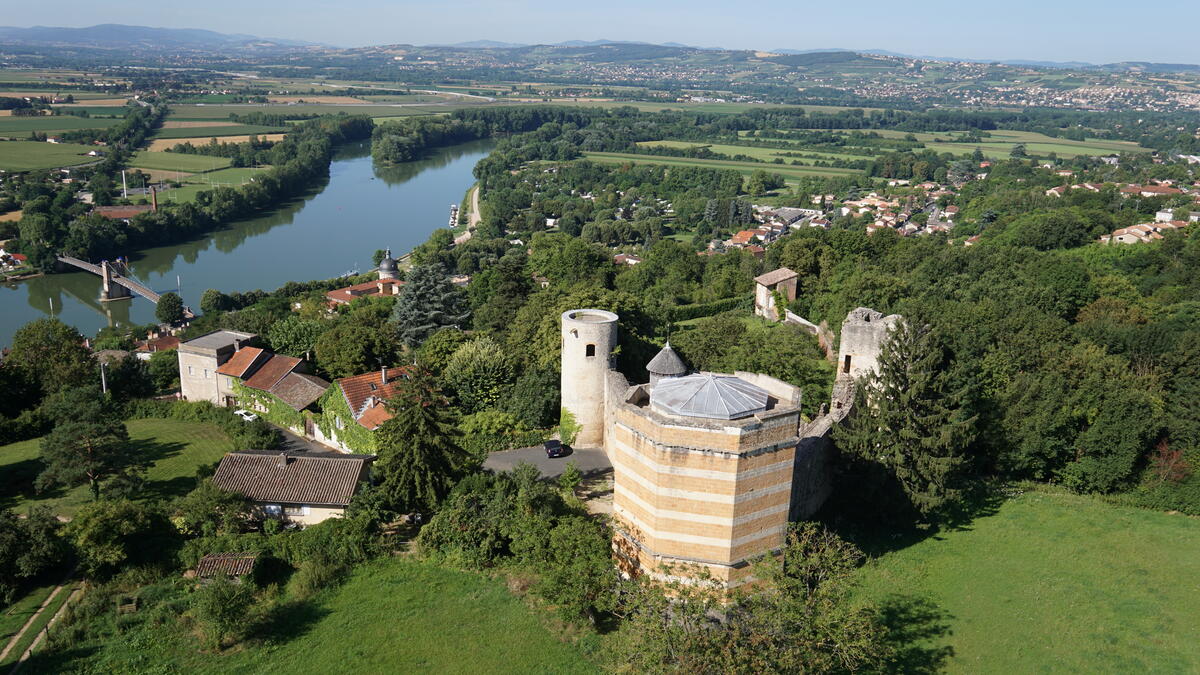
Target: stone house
{"points": [[354, 407], [782, 280], [302, 488], [199, 359], [274, 385]]}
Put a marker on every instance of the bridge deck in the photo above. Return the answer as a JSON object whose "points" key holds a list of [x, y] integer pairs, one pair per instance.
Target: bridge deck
{"points": [[125, 281]]}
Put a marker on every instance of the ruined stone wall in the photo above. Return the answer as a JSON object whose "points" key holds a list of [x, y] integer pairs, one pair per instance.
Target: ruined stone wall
{"points": [[863, 335]]}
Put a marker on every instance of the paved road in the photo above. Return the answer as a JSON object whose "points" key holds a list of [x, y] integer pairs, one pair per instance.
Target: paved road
{"points": [[294, 443], [591, 461]]}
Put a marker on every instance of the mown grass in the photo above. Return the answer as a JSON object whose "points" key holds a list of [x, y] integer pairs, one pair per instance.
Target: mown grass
{"points": [[30, 155], [174, 450], [1056, 582], [194, 185], [40, 623], [395, 615], [15, 615], [178, 161]]}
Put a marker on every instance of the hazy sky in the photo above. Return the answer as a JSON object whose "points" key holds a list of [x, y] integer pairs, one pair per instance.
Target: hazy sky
{"points": [[1060, 30]]}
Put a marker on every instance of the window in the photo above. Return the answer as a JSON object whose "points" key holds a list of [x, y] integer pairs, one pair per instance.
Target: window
{"points": [[272, 509], [206, 373], [591, 350], [846, 365], [337, 422], [191, 370], [295, 510]]}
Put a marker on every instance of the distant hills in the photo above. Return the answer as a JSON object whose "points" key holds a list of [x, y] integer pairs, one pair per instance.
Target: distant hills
{"points": [[119, 36], [114, 36]]}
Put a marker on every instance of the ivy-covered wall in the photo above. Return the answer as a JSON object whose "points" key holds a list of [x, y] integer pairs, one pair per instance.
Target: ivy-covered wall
{"points": [[352, 434], [270, 408]]}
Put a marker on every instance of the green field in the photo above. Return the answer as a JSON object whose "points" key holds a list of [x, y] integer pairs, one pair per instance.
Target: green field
{"points": [[175, 449], [392, 616], [194, 185], [21, 126], [222, 112], [1056, 582], [177, 161], [745, 168], [764, 154], [206, 132], [29, 155]]}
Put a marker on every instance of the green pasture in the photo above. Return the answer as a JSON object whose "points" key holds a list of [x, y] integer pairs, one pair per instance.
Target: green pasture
{"points": [[173, 449], [194, 185], [30, 155], [1053, 582], [222, 112], [394, 615], [764, 154], [11, 126], [177, 161]]}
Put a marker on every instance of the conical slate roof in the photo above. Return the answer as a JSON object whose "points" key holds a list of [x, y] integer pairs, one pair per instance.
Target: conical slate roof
{"points": [[666, 362], [721, 397]]}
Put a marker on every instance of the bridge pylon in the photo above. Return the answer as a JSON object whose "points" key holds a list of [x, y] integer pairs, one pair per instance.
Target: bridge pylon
{"points": [[111, 290]]}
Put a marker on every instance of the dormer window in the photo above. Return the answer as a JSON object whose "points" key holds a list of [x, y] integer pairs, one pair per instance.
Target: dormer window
{"points": [[373, 387]]}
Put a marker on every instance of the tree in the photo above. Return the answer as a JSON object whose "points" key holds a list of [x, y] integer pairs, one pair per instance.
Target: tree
{"points": [[419, 454], [295, 336], [53, 355], [169, 308], [214, 301], [909, 431], [28, 547], [89, 442], [534, 398], [355, 346], [208, 511], [111, 534], [164, 369], [427, 303], [222, 607], [477, 374], [1018, 151], [579, 576]]}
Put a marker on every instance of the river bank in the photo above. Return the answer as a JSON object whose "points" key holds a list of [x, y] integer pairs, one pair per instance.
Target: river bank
{"points": [[328, 232]]}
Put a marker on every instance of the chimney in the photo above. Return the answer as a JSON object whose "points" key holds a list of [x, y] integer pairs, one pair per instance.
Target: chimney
{"points": [[283, 460], [153, 199], [383, 374]]}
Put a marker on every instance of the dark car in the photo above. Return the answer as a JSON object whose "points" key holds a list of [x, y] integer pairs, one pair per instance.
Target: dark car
{"points": [[554, 449]]}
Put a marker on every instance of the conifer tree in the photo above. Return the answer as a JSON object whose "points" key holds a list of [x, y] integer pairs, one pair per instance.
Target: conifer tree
{"points": [[906, 441], [427, 303], [419, 455]]}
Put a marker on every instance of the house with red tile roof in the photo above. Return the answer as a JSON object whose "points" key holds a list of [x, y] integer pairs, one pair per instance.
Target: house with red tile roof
{"points": [[161, 343], [273, 385], [379, 288], [354, 407]]}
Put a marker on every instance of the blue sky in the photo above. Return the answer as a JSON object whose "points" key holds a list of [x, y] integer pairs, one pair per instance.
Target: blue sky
{"points": [[1058, 30]]}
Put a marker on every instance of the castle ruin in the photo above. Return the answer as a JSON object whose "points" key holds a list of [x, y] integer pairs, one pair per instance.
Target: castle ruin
{"points": [[708, 468]]}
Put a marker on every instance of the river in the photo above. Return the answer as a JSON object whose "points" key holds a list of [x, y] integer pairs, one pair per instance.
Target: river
{"points": [[331, 231]]}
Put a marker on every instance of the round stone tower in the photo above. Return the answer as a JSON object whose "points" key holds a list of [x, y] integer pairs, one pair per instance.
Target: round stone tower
{"points": [[589, 337]]}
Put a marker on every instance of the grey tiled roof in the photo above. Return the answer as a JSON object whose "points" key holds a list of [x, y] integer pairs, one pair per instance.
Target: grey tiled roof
{"points": [[667, 362], [318, 479]]}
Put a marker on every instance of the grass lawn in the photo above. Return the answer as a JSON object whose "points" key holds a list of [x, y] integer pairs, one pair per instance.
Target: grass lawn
{"points": [[29, 155], [21, 126], [177, 161], [42, 621], [1056, 582], [745, 168], [15, 615], [394, 615], [175, 449], [194, 185]]}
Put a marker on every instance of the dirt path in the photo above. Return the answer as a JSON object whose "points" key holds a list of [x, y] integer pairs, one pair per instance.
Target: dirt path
{"points": [[54, 619], [21, 633], [475, 218]]}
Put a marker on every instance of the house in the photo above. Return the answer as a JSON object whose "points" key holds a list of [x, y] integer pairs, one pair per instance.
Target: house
{"points": [[1150, 190], [379, 288], [950, 212], [199, 359], [1164, 216], [626, 259], [304, 488], [161, 343], [782, 281], [355, 406], [272, 384], [742, 238]]}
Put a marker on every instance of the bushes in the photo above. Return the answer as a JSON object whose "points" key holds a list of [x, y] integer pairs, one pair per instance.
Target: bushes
{"points": [[685, 312], [491, 431], [222, 607], [256, 435]]}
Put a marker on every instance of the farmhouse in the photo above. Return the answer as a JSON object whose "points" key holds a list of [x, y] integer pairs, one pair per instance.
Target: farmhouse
{"points": [[303, 488]]}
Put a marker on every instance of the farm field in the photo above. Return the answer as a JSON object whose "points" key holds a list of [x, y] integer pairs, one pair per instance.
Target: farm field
{"points": [[745, 168], [192, 124], [1058, 582], [177, 161], [725, 108], [193, 111], [219, 129], [161, 144], [29, 155], [175, 449], [765, 154], [394, 615], [23, 125]]}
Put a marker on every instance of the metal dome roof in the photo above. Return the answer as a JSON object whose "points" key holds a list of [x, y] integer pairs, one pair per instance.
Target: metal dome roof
{"points": [[721, 397], [667, 362], [388, 263]]}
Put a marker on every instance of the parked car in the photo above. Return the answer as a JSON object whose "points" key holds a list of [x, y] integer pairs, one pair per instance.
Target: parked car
{"points": [[246, 415], [554, 449]]}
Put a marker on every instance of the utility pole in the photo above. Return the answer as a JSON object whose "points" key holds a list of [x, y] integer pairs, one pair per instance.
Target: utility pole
{"points": [[103, 378], [124, 186]]}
